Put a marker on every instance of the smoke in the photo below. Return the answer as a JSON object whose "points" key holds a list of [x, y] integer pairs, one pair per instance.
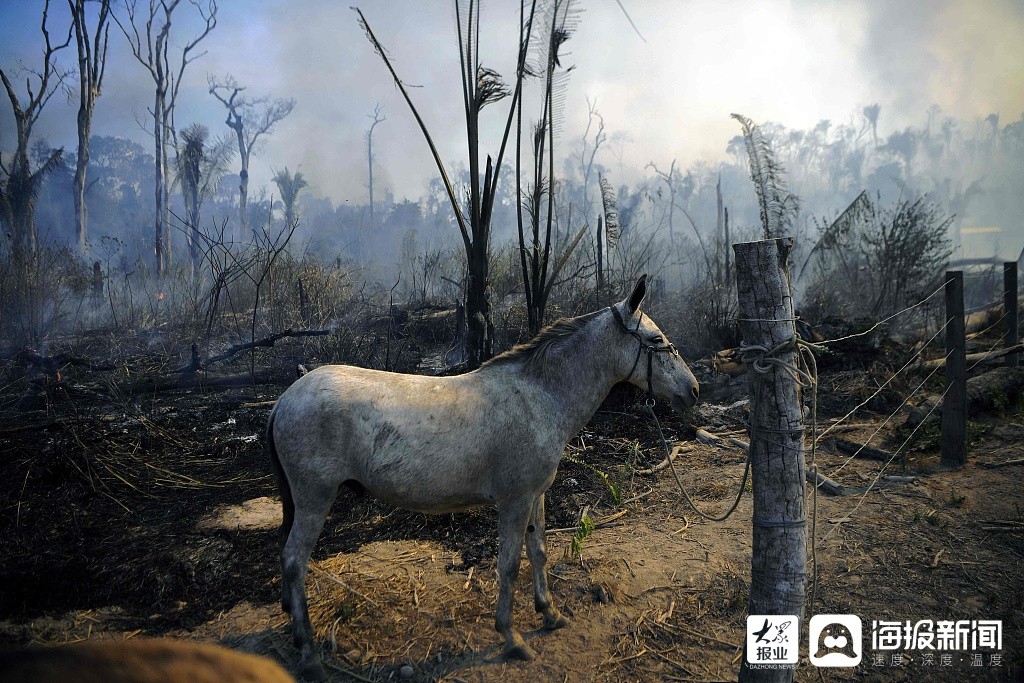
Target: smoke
{"points": [[795, 63]]}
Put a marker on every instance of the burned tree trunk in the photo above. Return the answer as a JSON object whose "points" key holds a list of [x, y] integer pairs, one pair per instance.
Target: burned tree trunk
{"points": [[92, 59]]}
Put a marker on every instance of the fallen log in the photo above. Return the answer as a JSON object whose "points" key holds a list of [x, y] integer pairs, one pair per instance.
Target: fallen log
{"points": [[978, 321], [710, 439], [1004, 463], [206, 380], [233, 351], [974, 358], [862, 450], [53, 364], [667, 461], [992, 390], [833, 488], [727, 362]]}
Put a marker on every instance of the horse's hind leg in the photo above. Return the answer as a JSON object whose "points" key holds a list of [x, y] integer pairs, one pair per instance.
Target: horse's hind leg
{"points": [[537, 551], [311, 508], [512, 520]]}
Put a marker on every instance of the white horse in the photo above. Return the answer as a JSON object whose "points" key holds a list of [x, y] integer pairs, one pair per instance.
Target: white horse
{"points": [[494, 436]]}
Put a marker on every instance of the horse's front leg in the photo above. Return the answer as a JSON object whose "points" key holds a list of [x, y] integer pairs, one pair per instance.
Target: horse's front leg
{"points": [[512, 521], [537, 551]]}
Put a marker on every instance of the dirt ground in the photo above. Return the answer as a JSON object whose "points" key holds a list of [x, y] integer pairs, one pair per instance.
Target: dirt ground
{"points": [[158, 516]]}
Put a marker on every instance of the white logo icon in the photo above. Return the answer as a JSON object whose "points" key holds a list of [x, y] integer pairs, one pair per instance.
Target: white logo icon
{"points": [[835, 640], [773, 639]]}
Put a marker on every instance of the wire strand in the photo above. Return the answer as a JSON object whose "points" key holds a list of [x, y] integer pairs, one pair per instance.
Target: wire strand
{"points": [[881, 471], [884, 384], [890, 417], [885, 320]]}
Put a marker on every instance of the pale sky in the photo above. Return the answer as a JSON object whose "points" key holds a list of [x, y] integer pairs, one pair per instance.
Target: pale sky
{"points": [[794, 62]]}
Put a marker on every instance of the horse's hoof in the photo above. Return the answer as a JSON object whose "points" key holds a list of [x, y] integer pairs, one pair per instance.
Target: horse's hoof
{"points": [[519, 652], [312, 671], [554, 620]]}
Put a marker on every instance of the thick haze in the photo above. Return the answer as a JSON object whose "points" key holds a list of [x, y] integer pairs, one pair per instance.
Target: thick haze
{"points": [[666, 96]]}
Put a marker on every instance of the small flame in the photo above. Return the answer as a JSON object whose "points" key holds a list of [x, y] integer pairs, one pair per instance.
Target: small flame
{"points": [[58, 375], [160, 296]]}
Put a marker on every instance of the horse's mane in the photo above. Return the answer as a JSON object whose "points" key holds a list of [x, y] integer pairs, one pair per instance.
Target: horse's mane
{"points": [[534, 353]]}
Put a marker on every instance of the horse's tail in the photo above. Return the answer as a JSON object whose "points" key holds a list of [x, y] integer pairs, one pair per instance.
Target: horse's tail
{"points": [[287, 502]]}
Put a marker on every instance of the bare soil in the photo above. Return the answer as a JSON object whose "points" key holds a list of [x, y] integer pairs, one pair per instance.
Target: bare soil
{"points": [[158, 516]]}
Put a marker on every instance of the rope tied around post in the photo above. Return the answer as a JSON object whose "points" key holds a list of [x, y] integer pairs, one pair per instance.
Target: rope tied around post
{"points": [[762, 360]]}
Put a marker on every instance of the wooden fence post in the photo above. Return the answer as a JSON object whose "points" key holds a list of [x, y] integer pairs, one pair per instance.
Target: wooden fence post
{"points": [[778, 571], [954, 405], [1010, 309]]}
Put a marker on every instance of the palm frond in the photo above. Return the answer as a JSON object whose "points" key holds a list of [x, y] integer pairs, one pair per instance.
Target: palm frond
{"points": [[776, 205], [611, 211], [490, 88]]}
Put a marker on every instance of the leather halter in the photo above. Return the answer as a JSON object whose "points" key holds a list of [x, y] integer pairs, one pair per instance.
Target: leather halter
{"points": [[651, 349]]}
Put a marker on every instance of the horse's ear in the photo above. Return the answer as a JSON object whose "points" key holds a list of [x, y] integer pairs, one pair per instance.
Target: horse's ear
{"points": [[637, 297]]}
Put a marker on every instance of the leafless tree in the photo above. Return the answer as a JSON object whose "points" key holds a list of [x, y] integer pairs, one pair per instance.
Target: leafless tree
{"points": [[19, 186], [871, 113], [875, 259], [480, 86], [589, 148], [250, 119], [92, 62], [376, 118], [670, 182], [148, 31]]}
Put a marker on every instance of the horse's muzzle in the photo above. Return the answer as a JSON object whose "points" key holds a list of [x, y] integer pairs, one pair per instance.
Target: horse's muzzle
{"points": [[683, 402]]}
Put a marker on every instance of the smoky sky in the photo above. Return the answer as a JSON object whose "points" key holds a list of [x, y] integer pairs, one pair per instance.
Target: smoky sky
{"points": [[667, 95]]}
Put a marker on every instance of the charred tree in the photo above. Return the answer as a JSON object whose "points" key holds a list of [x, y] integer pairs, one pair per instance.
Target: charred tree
{"points": [[20, 183], [480, 86], [376, 118], [92, 61], [148, 31], [250, 120]]}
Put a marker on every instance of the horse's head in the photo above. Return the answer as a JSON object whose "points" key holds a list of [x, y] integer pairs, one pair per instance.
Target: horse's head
{"points": [[651, 361]]}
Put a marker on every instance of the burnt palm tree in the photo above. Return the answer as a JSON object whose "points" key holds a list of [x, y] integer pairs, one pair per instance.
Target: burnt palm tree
{"points": [[289, 186]]}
